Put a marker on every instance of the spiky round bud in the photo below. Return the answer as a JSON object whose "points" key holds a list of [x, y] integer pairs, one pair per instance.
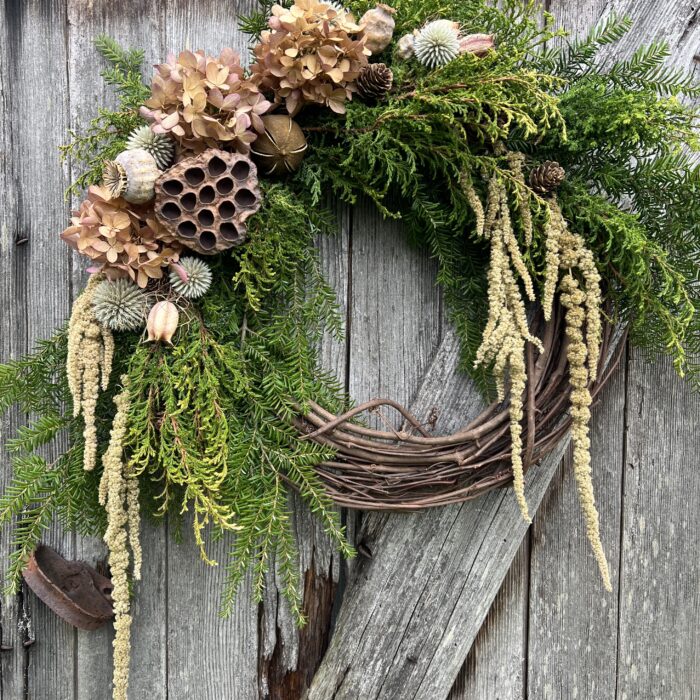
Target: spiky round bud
{"points": [[160, 146], [337, 6], [437, 43], [192, 279], [120, 305]]}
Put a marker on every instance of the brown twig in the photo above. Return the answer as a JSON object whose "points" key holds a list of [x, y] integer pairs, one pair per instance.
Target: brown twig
{"points": [[399, 470]]}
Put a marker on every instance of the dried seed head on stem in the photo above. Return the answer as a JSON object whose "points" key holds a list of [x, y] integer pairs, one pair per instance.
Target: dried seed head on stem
{"points": [[118, 493], [507, 329], [573, 299], [88, 365]]}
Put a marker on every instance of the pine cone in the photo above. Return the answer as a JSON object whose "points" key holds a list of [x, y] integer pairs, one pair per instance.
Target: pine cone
{"points": [[374, 81], [547, 177]]}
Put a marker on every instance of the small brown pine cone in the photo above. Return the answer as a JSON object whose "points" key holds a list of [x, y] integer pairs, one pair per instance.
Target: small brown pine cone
{"points": [[547, 177], [374, 81]]}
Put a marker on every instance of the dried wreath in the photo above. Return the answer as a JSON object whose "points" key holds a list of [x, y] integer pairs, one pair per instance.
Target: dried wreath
{"points": [[567, 204]]}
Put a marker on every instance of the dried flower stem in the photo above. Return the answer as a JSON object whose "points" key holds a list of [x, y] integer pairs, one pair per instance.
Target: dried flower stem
{"points": [[573, 299], [119, 495], [506, 332], [567, 251], [88, 365], [516, 163], [553, 232], [474, 203]]}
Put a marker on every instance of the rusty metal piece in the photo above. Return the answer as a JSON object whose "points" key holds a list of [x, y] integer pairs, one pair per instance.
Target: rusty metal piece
{"points": [[72, 589]]}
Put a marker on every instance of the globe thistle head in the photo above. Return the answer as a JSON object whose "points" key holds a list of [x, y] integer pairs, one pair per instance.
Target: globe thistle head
{"points": [[337, 6], [160, 146], [437, 43], [191, 277], [120, 305]]}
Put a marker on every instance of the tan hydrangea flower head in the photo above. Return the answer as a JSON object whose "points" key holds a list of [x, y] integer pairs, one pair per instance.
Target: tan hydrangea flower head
{"points": [[205, 102], [311, 53], [121, 239]]}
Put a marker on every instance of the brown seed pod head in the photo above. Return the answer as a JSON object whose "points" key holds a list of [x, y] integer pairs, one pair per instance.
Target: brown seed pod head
{"points": [[204, 201], [281, 148], [131, 175]]}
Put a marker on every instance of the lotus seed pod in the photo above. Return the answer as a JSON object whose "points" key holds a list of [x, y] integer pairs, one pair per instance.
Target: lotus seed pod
{"points": [[281, 148], [132, 175], [162, 322], [378, 27], [204, 201], [406, 47]]}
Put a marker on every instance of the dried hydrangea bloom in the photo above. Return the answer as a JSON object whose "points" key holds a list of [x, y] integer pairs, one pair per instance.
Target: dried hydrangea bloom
{"points": [[121, 239], [310, 54], [204, 102]]}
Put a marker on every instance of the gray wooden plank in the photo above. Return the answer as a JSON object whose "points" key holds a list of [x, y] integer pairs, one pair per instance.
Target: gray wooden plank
{"points": [[496, 665], [12, 336], [659, 636], [207, 657], [395, 319], [93, 675], [40, 120], [572, 640], [567, 630], [389, 349], [288, 656]]}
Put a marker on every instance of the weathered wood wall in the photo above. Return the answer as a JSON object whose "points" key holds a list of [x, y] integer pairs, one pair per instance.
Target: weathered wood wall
{"points": [[462, 602]]}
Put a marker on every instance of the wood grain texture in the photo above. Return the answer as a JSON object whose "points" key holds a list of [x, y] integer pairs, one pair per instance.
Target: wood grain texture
{"points": [[207, 657], [93, 660], [659, 636], [394, 321], [572, 636], [39, 113], [14, 659], [497, 662], [289, 656], [412, 610], [566, 649]]}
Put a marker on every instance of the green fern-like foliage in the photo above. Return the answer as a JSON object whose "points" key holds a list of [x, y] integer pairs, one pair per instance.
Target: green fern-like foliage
{"points": [[41, 491], [211, 423], [633, 182], [106, 135]]}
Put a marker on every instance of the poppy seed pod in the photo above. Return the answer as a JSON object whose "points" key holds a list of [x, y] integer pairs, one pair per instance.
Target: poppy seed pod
{"points": [[378, 27]]}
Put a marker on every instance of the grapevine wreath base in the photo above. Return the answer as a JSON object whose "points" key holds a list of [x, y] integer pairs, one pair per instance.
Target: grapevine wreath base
{"points": [[409, 469], [556, 192]]}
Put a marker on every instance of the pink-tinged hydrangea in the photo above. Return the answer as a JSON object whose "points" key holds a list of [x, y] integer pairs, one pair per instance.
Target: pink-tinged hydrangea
{"points": [[311, 54], [205, 102]]}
